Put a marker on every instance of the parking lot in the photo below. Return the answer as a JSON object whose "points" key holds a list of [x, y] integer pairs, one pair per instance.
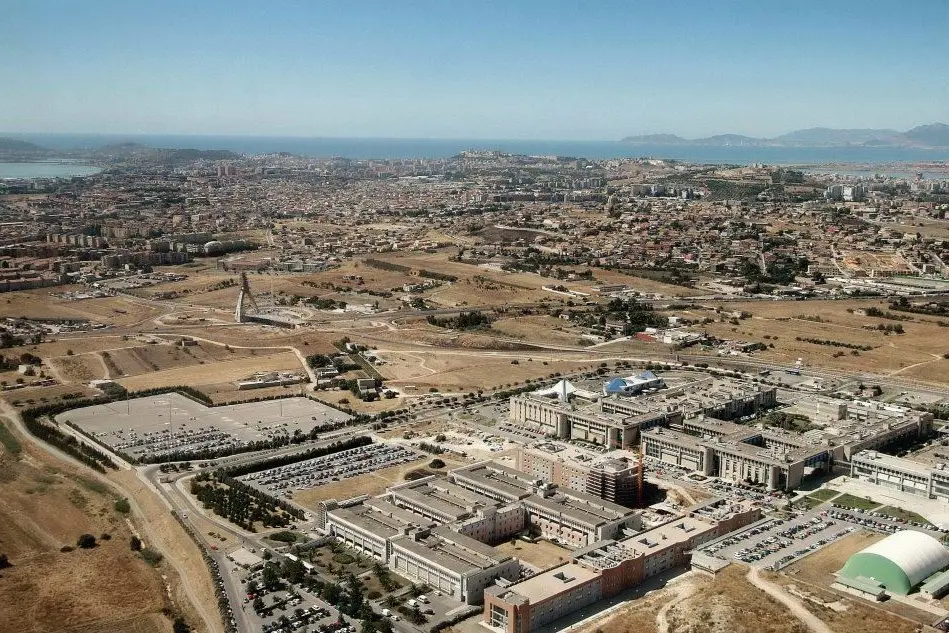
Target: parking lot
{"points": [[157, 425], [291, 609], [775, 543], [318, 471]]}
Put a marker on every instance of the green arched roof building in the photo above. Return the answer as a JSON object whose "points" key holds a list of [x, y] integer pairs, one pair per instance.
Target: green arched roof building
{"points": [[900, 562]]}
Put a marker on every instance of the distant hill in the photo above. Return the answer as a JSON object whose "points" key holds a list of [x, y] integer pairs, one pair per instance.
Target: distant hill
{"points": [[729, 139], [23, 147], [830, 136], [172, 156], [935, 135], [656, 139]]}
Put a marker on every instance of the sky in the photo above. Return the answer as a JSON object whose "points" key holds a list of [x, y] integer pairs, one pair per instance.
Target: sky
{"points": [[506, 69]]}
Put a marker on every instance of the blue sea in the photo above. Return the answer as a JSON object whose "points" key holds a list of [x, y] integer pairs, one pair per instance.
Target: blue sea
{"points": [[383, 148]]}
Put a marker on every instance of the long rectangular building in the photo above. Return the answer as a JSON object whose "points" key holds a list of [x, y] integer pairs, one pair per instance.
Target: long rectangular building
{"points": [[903, 475], [607, 567], [455, 564]]}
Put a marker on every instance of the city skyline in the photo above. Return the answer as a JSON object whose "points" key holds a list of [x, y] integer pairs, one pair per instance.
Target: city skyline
{"points": [[480, 71]]}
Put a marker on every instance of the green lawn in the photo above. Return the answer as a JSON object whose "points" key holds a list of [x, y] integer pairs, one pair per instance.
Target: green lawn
{"points": [[824, 494], [851, 501], [806, 503], [900, 513]]}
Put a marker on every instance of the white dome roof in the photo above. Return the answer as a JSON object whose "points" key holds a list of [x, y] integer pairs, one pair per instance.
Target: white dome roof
{"points": [[918, 554]]}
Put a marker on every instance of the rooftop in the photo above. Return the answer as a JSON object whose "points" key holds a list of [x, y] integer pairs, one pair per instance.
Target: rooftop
{"points": [[550, 583]]}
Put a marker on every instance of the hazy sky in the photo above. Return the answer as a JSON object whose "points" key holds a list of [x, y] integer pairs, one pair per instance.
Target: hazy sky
{"points": [[471, 69]]}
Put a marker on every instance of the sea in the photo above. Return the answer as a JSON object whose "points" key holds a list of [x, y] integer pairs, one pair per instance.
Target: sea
{"points": [[57, 169], [393, 148]]}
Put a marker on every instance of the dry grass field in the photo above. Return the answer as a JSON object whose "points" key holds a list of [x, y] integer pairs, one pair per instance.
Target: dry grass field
{"points": [[219, 373], [46, 505], [915, 354], [856, 615], [730, 603], [463, 371], [41, 304], [538, 329]]}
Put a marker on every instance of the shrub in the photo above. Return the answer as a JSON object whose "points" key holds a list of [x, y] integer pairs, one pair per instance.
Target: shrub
{"points": [[436, 463], [66, 548], [122, 505], [151, 557], [86, 541], [135, 544]]}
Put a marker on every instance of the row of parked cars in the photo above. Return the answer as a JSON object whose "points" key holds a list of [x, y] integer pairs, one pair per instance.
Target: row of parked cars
{"points": [[784, 560], [318, 471], [741, 536], [803, 530], [881, 515]]}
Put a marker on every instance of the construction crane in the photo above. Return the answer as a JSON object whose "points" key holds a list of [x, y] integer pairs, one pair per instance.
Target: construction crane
{"points": [[240, 314]]}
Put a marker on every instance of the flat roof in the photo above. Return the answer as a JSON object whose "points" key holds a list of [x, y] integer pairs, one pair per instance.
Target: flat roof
{"points": [[377, 517], [504, 480], [676, 531], [451, 550], [896, 463], [580, 508], [551, 582]]}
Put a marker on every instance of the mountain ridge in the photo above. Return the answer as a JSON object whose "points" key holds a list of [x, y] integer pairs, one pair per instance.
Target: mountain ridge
{"points": [[933, 135]]}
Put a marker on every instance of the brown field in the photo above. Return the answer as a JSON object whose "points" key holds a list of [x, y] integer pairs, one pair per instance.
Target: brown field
{"points": [[46, 504], [79, 368], [39, 303], [542, 554], [368, 484], [858, 615], [916, 354], [464, 371], [337, 397], [219, 373], [29, 396], [730, 603], [538, 329]]}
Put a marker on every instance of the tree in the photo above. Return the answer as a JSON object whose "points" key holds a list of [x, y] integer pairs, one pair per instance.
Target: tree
{"points": [[86, 541], [293, 571], [258, 604], [135, 544], [180, 626], [271, 576], [122, 505]]}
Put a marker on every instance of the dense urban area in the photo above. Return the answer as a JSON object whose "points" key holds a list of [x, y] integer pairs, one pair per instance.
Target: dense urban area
{"points": [[490, 393]]}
